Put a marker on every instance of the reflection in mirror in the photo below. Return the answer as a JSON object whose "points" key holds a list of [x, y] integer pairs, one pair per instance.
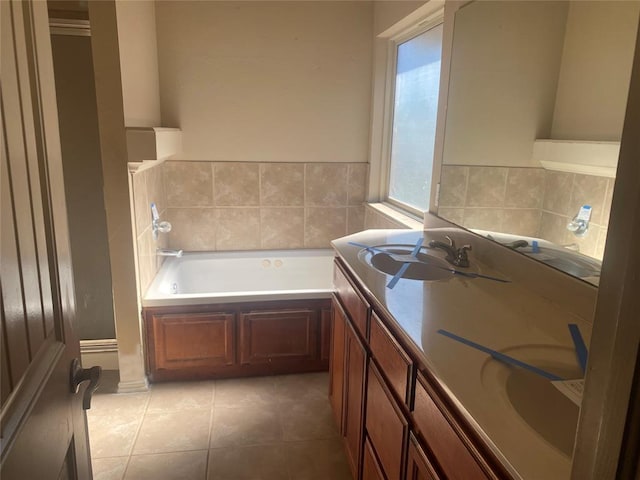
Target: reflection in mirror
{"points": [[537, 95]]}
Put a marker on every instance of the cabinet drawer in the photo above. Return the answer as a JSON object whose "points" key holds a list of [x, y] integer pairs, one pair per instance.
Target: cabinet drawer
{"points": [[394, 363], [452, 455], [357, 307], [385, 425]]}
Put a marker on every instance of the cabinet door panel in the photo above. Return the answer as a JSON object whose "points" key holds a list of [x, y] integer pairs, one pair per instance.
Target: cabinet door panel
{"points": [[385, 425], [371, 469], [354, 304], [337, 365], [354, 381], [452, 455], [325, 333], [418, 466], [267, 336], [193, 340], [394, 363]]}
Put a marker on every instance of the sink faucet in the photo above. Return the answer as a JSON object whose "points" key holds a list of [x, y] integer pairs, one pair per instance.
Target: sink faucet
{"points": [[168, 252], [455, 256]]}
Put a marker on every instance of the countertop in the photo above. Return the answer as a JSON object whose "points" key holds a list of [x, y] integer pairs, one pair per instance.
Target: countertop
{"points": [[525, 421]]}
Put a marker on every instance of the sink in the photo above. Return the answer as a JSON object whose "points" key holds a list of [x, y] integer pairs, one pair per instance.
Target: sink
{"points": [[428, 268], [534, 398]]}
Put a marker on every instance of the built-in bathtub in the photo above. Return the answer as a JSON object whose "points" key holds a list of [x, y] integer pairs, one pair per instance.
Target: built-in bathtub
{"points": [[223, 314], [218, 277]]}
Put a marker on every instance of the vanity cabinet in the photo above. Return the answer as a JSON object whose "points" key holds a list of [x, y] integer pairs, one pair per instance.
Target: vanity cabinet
{"points": [[395, 423], [237, 339]]}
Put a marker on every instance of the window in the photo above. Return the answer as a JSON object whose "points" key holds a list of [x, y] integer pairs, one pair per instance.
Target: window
{"points": [[413, 125]]}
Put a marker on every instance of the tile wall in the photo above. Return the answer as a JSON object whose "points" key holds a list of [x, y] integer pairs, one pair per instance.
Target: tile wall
{"points": [[527, 201], [247, 206]]}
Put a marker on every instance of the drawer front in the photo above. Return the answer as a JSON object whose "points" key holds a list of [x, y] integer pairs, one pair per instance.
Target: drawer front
{"points": [[395, 364], [385, 425], [371, 469], [453, 457], [357, 307]]}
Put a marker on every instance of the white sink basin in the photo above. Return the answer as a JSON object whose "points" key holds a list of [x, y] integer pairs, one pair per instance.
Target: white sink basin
{"points": [[534, 398], [428, 267]]}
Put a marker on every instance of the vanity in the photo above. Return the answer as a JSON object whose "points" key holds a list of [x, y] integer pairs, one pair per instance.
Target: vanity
{"points": [[411, 397]]}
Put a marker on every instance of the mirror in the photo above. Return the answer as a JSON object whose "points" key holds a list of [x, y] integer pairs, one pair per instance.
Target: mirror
{"points": [[536, 103]]}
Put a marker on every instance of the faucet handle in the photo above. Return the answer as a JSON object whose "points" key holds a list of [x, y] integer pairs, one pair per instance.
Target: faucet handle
{"points": [[462, 259], [452, 243]]}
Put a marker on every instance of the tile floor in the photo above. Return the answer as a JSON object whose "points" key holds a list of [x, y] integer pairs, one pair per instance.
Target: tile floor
{"points": [[263, 428]]}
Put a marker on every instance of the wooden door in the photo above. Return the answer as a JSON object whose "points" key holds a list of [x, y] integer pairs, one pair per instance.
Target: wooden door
{"points": [[43, 424]]}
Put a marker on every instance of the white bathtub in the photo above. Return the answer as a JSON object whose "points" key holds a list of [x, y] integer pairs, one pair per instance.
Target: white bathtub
{"points": [[221, 277]]}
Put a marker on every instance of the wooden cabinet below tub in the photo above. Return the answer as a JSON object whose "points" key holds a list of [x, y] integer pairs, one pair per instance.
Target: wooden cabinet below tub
{"points": [[236, 339]]}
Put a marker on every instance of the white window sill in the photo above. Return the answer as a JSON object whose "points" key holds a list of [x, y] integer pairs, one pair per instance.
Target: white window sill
{"points": [[397, 216]]}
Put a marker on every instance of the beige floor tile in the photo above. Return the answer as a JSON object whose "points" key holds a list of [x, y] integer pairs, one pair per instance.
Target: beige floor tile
{"points": [[317, 460], [168, 466], [173, 432], [245, 392], [308, 420], [109, 468], [302, 387], [234, 427], [166, 397], [266, 462], [112, 435], [119, 404]]}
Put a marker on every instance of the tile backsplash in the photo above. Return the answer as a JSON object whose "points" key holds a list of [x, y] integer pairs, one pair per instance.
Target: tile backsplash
{"points": [[527, 201]]}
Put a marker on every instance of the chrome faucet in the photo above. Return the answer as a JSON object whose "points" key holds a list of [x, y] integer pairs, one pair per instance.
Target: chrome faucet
{"points": [[168, 252], [455, 256]]}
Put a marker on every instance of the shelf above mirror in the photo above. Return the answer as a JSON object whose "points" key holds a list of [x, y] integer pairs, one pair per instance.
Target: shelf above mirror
{"points": [[574, 156]]}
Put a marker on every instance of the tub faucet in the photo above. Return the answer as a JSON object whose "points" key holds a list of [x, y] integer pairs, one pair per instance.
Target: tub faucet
{"points": [[168, 252], [455, 256]]}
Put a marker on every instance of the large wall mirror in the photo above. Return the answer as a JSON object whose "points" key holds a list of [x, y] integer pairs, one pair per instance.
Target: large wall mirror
{"points": [[537, 96]]}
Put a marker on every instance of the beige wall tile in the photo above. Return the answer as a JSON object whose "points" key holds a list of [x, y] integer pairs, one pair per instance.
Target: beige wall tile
{"points": [[606, 208], [321, 225], [193, 229], [525, 188], [588, 244], [281, 184], [236, 184], [155, 187], [484, 218], [282, 227], [554, 228], [238, 229], [521, 221], [355, 219], [453, 186], [146, 259], [140, 202], [325, 184], [374, 219], [188, 184], [357, 183], [589, 190], [455, 215], [486, 186], [602, 241], [557, 192]]}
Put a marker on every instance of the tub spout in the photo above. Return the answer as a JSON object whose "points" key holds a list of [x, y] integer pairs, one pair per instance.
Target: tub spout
{"points": [[168, 252]]}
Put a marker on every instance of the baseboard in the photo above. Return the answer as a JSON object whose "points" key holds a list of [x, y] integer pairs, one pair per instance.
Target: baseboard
{"points": [[103, 352]]}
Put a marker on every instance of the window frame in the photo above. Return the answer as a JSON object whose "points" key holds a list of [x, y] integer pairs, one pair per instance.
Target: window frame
{"points": [[425, 18]]}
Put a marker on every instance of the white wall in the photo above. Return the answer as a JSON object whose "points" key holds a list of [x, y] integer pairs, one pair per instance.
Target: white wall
{"points": [[504, 70], [267, 81], [595, 72], [138, 62]]}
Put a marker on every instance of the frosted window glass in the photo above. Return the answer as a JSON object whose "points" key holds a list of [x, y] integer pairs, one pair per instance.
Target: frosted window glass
{"points": [[414, 118]]}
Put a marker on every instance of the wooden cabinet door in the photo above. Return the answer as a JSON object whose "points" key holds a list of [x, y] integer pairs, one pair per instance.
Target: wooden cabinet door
{"points": [[371, 469], [266, 336], [325, 334], [188, 341], [418, 466], [336, 365], [385, 425], [354, 382], [44, 427]]}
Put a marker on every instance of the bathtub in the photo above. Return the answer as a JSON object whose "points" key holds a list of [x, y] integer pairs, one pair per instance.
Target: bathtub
{"points": [[222, 277]]}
